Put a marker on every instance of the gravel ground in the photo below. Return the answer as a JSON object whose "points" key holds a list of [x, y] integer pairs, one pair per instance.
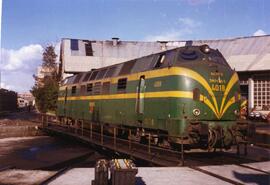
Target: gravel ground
{"points": [[18, 119], [38, 152], [24, 177]]}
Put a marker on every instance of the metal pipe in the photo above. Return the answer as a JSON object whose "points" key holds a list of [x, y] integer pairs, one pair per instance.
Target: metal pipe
{"points": [[129, 139], [101, 134], [221, 137], [91, 128], [114, 137], [149, 143], [76, 127], [47, 121], [182, 151], [245, 149], [250, 94], [42, 121], [82, 127]]}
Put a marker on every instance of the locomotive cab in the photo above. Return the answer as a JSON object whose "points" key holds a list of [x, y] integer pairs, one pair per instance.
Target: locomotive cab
{"points": [[211, 113]]}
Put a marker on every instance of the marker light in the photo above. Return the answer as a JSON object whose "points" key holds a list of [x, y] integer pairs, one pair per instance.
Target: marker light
{"points": [[236, 112], [205, 49]]}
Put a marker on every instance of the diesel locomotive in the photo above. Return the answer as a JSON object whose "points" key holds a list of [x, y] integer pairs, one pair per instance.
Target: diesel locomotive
{"points": [[188, 95]]}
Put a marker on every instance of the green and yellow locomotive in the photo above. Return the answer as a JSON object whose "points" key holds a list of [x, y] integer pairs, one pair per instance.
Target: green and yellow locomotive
{"points": [[185, 95]]}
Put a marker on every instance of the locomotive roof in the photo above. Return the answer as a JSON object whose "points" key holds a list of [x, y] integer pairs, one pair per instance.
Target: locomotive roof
{"points": [[144, 63]]}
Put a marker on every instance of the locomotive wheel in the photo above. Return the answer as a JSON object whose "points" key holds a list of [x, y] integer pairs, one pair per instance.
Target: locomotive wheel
{"points": [[228, 139], [212, 139]]}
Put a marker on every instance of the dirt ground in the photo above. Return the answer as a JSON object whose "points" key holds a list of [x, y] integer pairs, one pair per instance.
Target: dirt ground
{"points": [[21, 118]]}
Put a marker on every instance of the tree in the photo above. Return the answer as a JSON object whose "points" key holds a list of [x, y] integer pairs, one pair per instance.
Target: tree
{"points": [[45, 89], [49, 61]]}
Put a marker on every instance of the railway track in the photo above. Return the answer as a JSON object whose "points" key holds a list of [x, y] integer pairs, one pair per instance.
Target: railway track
{"points": [[55, 176], [63, 167], [222, 160], [68, 163]]}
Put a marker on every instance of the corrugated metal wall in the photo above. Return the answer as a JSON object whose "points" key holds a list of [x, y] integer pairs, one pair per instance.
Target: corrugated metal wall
{"points": [[243, 54]]}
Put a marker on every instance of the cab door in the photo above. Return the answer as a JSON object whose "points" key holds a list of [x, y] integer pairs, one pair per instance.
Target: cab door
{"points": [[140, 98], [65, 102]]}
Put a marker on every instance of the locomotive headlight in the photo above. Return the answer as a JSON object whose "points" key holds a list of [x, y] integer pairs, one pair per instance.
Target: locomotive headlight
{"points": [[196, 112], [205, 48]]}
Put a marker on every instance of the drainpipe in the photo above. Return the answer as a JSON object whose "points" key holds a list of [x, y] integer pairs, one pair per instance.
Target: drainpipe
{"points": [[250, 94], [163, 45]]}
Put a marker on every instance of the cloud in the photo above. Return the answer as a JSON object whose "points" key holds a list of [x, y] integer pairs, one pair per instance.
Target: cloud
{"points": [[184, 26], [22, 59], [259, 32], [19, 81], [188, 22], [198, 2], [18, 66], [5, 86], [167, 36], [57, 50]]}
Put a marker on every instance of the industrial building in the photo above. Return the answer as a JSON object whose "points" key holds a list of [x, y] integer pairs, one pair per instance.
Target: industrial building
{"points": [[249, 56]]}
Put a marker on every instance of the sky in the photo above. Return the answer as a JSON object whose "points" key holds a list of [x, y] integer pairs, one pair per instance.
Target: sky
{"points": [[29, 25]]}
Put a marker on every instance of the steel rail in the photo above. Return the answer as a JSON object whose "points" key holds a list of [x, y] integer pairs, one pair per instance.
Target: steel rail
{"points": [[54, 176], [4, 168], [216, 175]]}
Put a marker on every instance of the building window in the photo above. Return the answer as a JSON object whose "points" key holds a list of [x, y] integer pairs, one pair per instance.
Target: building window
{"points": [[73, 90], [89, 87], [97, 88], [74, 44], [88, 49], [122, 84], [106, 88]]}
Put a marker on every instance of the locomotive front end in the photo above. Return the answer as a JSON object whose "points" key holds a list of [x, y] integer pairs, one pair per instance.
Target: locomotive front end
{"points": [[212, 111]]}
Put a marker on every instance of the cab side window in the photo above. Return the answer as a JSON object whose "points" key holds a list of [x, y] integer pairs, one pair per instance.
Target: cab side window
{"points": [[97, 88], [73, 90], [122, 85]]}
